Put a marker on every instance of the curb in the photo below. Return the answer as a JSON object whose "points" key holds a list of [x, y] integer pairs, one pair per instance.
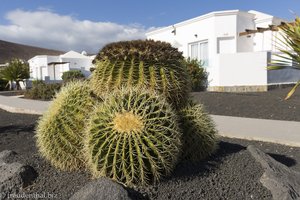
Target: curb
{"points": [[20, 110]]}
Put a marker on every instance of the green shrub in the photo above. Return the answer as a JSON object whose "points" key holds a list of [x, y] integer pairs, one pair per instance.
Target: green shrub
{"points": [[72, 75], [3, 85], [197, 74], [142, 63], [37, 82], [60, 131], [16, 71], [199, 133], [132, 137], [42, 91]]}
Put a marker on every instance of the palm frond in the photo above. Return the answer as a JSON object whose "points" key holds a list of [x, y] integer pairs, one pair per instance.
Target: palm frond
{"points": [[289, 46], [292, 91]]}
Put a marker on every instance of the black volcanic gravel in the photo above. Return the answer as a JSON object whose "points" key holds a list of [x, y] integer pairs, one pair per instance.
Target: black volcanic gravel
{"points": [[17, 134], [229, 174], [263, 105]]}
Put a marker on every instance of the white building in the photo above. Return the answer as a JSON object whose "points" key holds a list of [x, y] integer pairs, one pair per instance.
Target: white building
{"points": [[236, 47], [51, 68]]}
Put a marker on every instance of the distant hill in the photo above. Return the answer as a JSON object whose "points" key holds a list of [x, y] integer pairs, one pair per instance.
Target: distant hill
{"points": [[9, 50]]}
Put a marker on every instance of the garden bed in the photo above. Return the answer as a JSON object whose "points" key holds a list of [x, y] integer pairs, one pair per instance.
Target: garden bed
{"points": [[263, 105], [231, 173]]}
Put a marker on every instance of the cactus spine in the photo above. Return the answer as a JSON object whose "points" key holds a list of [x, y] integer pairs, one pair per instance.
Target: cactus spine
{"points": [[154, 65], [60, 130], [199, 133], [132, 137]]}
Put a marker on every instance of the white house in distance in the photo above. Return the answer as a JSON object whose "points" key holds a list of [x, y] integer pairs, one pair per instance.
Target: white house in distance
{"points": [[236, 47], [51, 68]]}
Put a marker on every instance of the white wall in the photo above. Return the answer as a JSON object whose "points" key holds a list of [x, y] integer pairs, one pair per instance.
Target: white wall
{"points": [[58, 72], [219, 26], [48, 69], [82, 64], [242, 69], [185, 34], [246, 64], [268, 40], [35, 65], [245, 43], [39, 68], [263, 41]]}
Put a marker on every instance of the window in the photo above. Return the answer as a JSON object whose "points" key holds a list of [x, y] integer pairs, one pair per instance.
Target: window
{"points": [[194, 51], [199, 51]]}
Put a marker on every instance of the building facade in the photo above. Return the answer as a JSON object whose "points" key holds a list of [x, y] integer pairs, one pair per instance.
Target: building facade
{"points": [[235, 58], [50, 68]]}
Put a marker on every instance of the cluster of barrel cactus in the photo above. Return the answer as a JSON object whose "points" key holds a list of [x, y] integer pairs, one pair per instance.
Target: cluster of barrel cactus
{"points": [[132, 121]]}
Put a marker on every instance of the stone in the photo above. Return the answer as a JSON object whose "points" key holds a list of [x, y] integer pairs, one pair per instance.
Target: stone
{"points": [[101, 189], [6, 156], [13, 176], [283, 182]]}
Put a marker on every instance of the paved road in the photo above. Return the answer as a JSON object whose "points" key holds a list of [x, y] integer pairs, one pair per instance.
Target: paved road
{"points": [[282, 132]]}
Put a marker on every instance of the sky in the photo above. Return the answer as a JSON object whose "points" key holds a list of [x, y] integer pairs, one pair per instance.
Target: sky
{"points": [[87, 25]]}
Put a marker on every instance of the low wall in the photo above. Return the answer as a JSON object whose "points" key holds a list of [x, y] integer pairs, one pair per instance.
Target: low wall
{"points": [[247, 72], [251, 88], [283, 76], [243, 69]]}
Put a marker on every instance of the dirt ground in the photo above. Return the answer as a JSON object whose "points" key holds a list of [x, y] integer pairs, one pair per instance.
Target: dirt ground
{"points": [[231, 173], [263, 105]]}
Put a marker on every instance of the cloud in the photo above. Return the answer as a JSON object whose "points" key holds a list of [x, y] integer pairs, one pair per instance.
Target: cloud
{"points": [[47, 29]]}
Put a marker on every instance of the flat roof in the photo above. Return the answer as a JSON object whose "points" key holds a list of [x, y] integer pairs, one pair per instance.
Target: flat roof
{"points": [[199, 18]]}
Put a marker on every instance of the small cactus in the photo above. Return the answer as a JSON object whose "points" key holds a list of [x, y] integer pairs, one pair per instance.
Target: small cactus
{"points": [[60, 130], [199, 134], [132, 137], [150, 64]]}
